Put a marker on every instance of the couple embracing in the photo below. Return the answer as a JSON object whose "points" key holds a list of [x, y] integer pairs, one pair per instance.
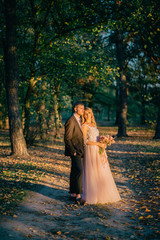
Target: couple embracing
{"points": [[91, 180]]}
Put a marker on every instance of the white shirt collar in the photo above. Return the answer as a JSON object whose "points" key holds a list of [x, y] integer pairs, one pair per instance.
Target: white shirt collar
{"points": [[78, 119]]}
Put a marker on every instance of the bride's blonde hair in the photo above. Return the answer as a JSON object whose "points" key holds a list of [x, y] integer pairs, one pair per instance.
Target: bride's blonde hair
{"points": [[93, 122]]}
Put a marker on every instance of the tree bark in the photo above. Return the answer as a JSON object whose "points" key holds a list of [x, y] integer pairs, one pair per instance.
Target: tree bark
{"points": [[56, 115], [1, 112], [143, 111], [42, 120], [157, 133], [27, 105], [117, 101], [123, 108], [50, 119], [108, 112], [122, 120], [18, 144]]}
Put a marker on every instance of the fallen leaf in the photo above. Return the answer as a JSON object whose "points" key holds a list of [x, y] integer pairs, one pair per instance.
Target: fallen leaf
{"points": [[59, 232], [147, 210]]}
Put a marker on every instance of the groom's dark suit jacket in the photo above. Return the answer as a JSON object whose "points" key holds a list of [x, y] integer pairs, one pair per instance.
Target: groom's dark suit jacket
{"points": [[73, 138]]}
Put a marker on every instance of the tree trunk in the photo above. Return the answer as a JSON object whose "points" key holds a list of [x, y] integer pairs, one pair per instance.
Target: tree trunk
{"points": [[42, 120], [117, 106], [56, 116], [1, 112], [1, 123], [122, 120], [60, 119], [123, 108], [157, 133], [18, 144], [109, 108], [50, 120], [4, 123], [27, 105], [143, 112]]}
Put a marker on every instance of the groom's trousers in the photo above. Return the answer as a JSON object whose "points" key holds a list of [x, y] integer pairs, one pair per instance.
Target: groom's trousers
{"points": [[76, 174]]}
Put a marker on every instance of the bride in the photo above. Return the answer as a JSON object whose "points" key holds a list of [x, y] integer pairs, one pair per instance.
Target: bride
{"points": [[98, 183]]}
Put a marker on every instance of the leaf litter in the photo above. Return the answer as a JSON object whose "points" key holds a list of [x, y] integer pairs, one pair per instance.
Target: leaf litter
{"points": [[42, 182]]}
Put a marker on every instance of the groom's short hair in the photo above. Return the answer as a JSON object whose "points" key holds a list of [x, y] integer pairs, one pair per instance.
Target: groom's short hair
{"points": [[76, 104]]}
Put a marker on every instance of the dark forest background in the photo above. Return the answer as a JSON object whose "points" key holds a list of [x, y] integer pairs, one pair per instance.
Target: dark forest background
{"points": [[53, 53]]}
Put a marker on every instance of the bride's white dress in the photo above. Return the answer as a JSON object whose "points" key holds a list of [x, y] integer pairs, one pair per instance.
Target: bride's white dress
{"points": [[98, 183]]}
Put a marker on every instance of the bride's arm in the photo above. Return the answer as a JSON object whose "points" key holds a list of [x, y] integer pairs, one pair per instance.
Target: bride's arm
{"points": [[85, 129]]}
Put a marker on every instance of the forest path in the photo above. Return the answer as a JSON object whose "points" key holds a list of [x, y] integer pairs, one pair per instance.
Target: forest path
{"points": [[48, 213]]}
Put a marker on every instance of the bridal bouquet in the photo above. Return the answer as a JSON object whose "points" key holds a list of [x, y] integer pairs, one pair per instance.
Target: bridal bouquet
{"points": [[107, 140]]}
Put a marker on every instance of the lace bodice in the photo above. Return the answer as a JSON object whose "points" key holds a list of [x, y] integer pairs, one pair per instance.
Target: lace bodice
{"points": [[92, 134]]}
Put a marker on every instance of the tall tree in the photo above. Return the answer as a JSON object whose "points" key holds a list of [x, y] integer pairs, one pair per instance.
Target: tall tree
{"points": [[18, 144], [122, 64], [157, 133], [122, 118]]}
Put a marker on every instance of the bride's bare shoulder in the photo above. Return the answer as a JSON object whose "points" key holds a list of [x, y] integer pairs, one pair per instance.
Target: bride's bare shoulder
{"points": [[85, 126]]}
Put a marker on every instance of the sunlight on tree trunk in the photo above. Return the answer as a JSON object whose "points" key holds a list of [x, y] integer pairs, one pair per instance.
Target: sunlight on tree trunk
{"points": [[56, 116], [18, 144]]}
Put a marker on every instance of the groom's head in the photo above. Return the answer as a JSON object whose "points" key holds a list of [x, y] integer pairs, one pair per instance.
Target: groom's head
{"points": [[78, 108]]}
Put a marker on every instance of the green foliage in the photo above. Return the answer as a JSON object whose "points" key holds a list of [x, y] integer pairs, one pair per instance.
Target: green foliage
{"points": [[66, 49]]}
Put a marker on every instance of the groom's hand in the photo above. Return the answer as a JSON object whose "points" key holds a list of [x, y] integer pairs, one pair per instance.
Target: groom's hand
{"points": [[75, 154]]}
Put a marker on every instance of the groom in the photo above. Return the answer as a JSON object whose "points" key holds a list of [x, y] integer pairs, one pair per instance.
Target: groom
{"points": [[74, 147]]}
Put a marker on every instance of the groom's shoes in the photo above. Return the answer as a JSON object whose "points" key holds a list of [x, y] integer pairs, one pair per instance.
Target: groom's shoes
{"points": [[72, 198], [80, 201]]}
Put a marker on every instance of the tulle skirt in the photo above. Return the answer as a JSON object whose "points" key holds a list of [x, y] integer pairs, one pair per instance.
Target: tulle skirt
{"points": [[98, 183]]}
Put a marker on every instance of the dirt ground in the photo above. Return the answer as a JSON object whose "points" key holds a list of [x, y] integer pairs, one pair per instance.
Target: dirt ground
{"points": [[48, 213]]}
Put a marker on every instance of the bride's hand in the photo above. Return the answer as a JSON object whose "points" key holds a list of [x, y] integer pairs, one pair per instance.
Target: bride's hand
{"points": [[101, 145], [104, 145]]}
